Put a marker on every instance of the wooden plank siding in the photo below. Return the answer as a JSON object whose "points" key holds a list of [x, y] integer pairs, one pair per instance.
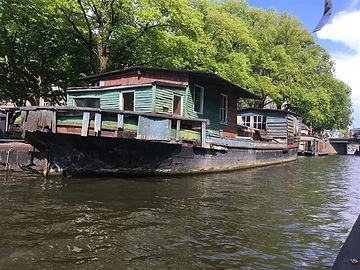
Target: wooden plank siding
{"points": [[276, 126], [211, 108], [164, 99], [111, 99], [133, 77], [158, 98], [144, 99], [231, 129]]}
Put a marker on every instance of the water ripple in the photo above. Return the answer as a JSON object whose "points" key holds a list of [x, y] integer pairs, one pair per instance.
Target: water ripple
{"points": [[288, 216]]}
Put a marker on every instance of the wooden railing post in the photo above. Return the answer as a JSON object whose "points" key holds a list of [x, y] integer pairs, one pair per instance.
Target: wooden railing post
{"points": [[203, 134], [53, 123], [85, 124], [97, 125], [120, 121], [178, 125]]}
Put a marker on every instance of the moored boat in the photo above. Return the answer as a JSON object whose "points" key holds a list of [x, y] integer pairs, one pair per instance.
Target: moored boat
{"points": [[149, 121], [311, 145]]}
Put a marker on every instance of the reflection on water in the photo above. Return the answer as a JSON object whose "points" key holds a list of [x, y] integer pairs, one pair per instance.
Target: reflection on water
{"points": [[293, 215]]}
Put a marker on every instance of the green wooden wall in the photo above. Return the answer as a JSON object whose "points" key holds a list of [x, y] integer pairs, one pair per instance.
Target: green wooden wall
{"points": [[154, 98], [110, 99], [211, 107], [164, 98]]}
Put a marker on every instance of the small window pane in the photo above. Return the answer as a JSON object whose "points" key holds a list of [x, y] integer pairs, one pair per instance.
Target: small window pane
{"points": [[128, 101], [87, 102]]}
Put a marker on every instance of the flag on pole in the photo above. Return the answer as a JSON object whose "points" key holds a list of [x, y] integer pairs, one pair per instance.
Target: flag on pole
{"points": [[326, 16]]}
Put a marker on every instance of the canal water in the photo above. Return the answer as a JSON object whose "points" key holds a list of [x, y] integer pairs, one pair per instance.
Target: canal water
{"points": [[288, 216]]}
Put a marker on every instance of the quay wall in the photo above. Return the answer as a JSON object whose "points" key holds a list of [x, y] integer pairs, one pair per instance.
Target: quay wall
{"points": [[19, 155]]}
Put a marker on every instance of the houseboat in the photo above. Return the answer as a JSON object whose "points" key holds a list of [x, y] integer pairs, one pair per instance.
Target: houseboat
{"points": [[273, 125], [311, 145], [147, 121]]}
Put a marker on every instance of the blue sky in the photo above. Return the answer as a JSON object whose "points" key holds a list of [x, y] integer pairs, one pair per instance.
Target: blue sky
{"points": [[340, 37]]}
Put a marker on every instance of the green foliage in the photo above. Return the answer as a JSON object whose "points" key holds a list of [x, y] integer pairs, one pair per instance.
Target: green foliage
{"points": [[44, 43], [33, 55]]}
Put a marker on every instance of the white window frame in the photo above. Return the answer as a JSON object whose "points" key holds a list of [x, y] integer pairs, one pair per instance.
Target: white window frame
{"points": [[259, 124], [244, 122], [121, 98], [224, 109], [201, 99], [181, 100]]}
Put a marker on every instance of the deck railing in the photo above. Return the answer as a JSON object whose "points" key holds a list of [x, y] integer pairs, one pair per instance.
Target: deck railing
{"points": [[85, 122]]}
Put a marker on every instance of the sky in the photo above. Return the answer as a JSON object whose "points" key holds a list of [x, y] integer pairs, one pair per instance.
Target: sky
{"points": [[340, 37]]}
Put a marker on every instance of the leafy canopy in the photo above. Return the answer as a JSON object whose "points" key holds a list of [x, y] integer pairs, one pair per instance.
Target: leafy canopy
{"points": [[45, 43]]}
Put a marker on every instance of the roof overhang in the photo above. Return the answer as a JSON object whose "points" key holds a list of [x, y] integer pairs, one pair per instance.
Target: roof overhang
{"points": [[203, 75]]}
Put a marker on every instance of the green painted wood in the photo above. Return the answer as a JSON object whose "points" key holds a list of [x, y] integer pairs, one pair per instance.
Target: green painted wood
{"points": [[164, 99], [111, 99], [144, 99], [159, 99], [211, 106]]}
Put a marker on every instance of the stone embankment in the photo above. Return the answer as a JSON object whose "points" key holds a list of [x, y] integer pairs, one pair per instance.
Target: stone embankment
{"points": [[18, 155]]}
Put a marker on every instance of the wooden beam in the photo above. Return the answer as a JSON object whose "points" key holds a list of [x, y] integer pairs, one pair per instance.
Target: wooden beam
{"points": [[203, 134], [178, 125], [97, 125], [53, 123], [120, 121], [85, 124]]}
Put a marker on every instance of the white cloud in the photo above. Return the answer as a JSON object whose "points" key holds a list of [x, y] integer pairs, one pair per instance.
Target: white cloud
{"points": [[344, 28]]}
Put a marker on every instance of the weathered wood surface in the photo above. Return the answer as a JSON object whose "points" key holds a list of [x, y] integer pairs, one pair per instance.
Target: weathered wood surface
{"points": [[72, 155], [38, 120], [78, 110], [85, 124]]}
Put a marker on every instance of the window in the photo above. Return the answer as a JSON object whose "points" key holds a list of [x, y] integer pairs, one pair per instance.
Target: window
{"points": [[198, 99], [87, 102], [258, 123], [127, 101], [246, 120], [223, 109], [177, 105], [253, 121]]}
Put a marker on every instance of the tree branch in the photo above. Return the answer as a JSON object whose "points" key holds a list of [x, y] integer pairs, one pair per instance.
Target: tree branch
{"points": [[74, 26]]}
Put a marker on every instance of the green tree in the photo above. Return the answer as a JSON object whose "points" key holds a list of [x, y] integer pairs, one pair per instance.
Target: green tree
{"points": [[33, 56], [124, 33]]}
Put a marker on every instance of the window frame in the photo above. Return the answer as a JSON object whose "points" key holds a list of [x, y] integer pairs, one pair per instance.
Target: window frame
{"points": [[121, 97], [224, 109], [181, 107], [201, 99], [244, 121], [259, 124], [75, 100]]}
